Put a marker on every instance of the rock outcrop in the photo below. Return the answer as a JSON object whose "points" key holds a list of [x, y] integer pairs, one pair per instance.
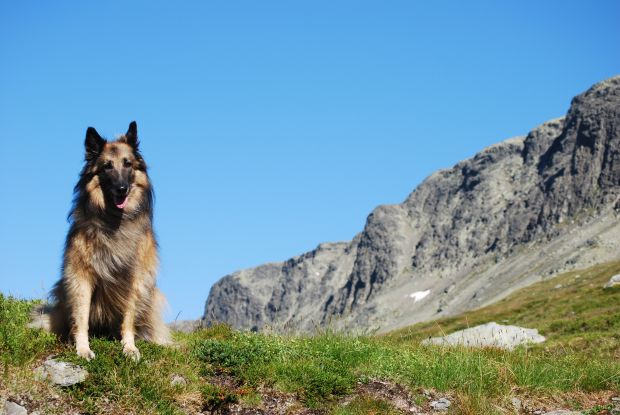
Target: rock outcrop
{"points": [[517, 212]]}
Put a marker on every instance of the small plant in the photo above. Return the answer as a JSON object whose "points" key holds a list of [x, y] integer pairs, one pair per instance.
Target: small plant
{"points": [[366, 406], [19, 344], [215, 396], [602, 410]]}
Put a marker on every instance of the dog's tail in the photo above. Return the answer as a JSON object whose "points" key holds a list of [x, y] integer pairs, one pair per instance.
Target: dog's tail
{"points": [[40, 317]]}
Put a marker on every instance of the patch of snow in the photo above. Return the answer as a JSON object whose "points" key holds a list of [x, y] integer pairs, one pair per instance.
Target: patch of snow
{"points": [[419, 295]]}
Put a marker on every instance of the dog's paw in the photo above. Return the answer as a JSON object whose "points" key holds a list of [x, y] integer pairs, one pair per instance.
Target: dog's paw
{"points": [[132, 352], [85, 352]]}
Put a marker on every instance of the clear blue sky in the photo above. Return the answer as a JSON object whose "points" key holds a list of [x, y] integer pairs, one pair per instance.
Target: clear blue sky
{"points": [[269, 127]]}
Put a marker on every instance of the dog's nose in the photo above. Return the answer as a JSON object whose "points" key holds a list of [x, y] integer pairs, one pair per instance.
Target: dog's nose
{"points": [[122, 189]]}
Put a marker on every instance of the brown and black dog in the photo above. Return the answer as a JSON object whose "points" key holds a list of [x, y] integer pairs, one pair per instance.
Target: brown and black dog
{"points": [[110, 259]]}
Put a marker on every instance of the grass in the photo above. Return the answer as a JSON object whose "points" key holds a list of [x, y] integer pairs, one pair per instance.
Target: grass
{"points": [[145, 385], [578, 367], [365, 405], [18, 344], [571, 310]]}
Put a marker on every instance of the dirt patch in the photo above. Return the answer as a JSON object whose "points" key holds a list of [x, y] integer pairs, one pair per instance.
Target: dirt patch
{"points": [[272, 402], [568, 401]]}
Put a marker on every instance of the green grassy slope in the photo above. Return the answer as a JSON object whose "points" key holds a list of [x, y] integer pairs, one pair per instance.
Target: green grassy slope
{"points": [[577, 367], [571, 310]]}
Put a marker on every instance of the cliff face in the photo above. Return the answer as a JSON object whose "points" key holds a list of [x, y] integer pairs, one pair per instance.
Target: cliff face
{"points": [[517, 212]]}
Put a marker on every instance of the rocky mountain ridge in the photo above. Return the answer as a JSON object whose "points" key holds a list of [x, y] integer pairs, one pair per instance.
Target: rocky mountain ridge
{"points": [[517, 212]]}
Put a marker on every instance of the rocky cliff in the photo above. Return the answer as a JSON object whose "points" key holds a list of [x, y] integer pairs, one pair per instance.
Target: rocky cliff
{"points": [[517, 212]]}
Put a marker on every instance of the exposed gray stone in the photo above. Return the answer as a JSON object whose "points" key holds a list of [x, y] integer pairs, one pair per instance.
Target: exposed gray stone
{"points": [[519, 211], [178, 380], [613, 281], [489, 335], [61, 373], [11, 408], [441, 404]]}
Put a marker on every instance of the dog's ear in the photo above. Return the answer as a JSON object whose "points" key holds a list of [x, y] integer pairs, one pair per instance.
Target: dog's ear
{"points": [[93, 143], [131, 136]]}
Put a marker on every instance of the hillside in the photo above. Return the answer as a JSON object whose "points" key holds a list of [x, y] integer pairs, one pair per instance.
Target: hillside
{"points": [[518, 212], [222, 371]]}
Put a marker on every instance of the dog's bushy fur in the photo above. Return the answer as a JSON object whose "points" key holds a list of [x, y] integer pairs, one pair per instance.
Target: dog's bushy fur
{"points": [[110, 257]]}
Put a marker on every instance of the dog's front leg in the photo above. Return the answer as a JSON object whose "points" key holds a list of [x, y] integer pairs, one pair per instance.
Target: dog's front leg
{"points": [[128, 329], [81, 295]]}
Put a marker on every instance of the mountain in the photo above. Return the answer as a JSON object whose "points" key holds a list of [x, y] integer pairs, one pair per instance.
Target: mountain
{"points": [[518, 212]]}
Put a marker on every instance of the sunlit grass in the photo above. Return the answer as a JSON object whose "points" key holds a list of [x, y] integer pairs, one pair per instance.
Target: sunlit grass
{"points": [[580, 319]]}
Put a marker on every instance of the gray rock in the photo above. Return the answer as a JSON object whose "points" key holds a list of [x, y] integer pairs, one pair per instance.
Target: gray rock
{"points": [[441, 404], [489, 335], [61, 373], [519, 210], [613, 281], [282, 295], [178, 380], [516, 404], [564, 412], [11, 408]]}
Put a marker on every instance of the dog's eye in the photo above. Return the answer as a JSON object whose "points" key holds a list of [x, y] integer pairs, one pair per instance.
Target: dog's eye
{"points": [[126, 163], [107, 165]]}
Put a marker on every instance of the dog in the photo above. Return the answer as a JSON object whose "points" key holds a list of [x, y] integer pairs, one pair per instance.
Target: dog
{"points": [[108, 283]]}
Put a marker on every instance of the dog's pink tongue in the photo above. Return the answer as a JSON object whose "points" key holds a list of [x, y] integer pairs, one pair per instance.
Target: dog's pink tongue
{"points": [[122, 205]]}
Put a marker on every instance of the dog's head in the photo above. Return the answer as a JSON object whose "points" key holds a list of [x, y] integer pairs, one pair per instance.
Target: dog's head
{"points": [[116, 171]]}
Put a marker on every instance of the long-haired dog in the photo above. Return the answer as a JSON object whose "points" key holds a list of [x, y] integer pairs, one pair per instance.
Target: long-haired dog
{"points": [[110, 257]]}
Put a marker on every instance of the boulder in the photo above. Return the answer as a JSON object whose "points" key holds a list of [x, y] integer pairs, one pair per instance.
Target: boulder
{"points": [[441, 404], [61, 373], [489, 335], [613, 281], [11, 408]]}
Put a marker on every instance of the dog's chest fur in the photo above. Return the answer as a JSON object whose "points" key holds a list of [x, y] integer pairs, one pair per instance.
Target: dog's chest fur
{"points": [[115, 253]]}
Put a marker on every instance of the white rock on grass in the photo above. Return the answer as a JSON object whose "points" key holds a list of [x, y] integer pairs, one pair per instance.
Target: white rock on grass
{"points": [[613, 281], [11, 408], [441, 404], [178, 381], [61, 373], [489, 335]]}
